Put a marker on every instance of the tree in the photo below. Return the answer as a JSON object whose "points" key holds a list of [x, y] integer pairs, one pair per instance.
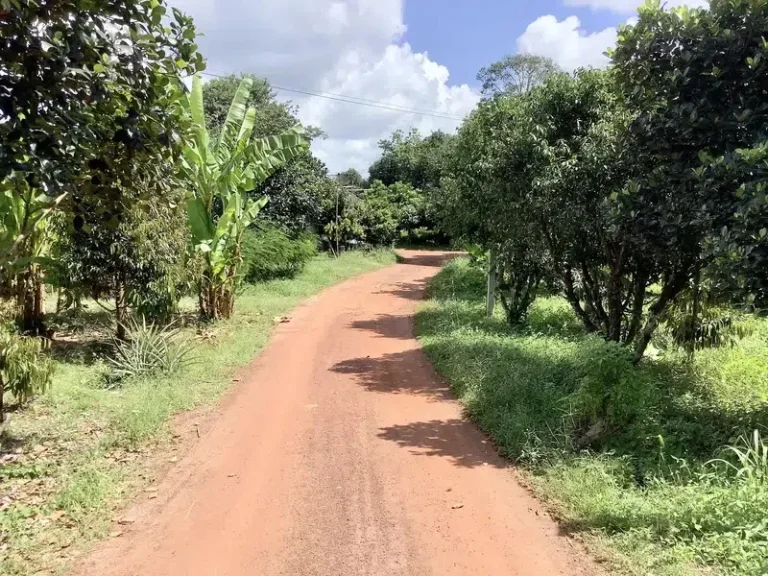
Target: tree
{"points": [[487, 199], [696, 80], [24, 370], [515, 75], [412, 159], [294, 203], [351, 178], [420, 163], [378, 215], [223, 171], [26, 236], [272, 117], [140, 263], [87, 90], [295, 193]]}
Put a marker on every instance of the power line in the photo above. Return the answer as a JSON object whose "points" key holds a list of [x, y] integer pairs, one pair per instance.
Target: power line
{"points": [[355, 100]]}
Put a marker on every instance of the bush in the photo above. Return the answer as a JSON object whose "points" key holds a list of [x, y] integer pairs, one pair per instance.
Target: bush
{"points": [[149, 349], [269, 253], [24, 369]]}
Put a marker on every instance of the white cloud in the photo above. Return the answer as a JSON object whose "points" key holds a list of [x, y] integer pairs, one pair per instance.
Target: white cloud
{"points": [[350, 47], [631, 6], [566, 42]]}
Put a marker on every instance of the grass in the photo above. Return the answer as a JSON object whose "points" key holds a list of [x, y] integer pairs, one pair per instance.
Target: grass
{"points": [[77, 453], [651, 497]]}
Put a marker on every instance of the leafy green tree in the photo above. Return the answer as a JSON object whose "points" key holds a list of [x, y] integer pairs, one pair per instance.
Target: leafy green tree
{"points": [[351, 178], [412, 159], [696, 81], [24, 370], [378, 215], [420, 163], [88, 89], [26, 238], [293, 190], [272, 117], [223, 171], [515, 75], [295, 193], [141, 263], [487, 199]]}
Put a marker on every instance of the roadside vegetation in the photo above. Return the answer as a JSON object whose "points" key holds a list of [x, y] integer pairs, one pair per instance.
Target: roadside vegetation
{"points": [[620, 217], [151, 234], [676, 486], [74, 455]]}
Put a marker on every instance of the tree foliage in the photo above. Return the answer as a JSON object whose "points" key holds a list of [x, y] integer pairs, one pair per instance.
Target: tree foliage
{"points": [[352, 178], [628, 183], [272, 117], [88, 92], [515, 75], [412, 159], [697, 81]]}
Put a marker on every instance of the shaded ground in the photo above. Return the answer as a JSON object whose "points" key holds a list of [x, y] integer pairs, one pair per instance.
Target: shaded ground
{"points": [[342, 454]]}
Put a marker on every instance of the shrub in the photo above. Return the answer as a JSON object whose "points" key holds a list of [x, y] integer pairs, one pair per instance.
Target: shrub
{"points": [[24, 369], [149, 349], [270, 253]]}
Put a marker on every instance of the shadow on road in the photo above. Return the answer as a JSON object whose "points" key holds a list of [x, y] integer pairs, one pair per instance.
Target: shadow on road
{"points": [[424, 258], [387, 326], [401, 373], [455, 439], [408, 290]]}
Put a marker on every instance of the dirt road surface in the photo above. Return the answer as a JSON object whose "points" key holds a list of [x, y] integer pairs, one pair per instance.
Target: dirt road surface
{"points": [[342, 454]]}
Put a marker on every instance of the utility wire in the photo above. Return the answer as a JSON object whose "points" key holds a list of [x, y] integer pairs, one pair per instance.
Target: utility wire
{"points": [[355, 100]]}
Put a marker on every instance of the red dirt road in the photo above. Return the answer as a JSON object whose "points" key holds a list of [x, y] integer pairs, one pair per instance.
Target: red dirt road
{"points": [[342, 454]]}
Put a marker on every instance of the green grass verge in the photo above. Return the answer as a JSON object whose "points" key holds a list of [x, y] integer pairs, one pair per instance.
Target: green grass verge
{"points": [[648, 498], [76, 453]]}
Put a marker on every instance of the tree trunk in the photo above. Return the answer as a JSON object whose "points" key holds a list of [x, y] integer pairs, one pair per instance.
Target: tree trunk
{"points": [[121, 311], [638, 297], [2, 405], [491, 296], [573, 300], [695, 315], [30, 302], [39, 305], [615, 302], [668, 293]]}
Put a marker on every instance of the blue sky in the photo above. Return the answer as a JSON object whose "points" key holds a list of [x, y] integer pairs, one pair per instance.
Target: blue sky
{"points": [[472, 34], [410, 55]]}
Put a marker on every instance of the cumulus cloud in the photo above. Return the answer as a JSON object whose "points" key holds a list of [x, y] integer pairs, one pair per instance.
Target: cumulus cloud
{"points": [[349, 47], [567, 43], [631, 6]]}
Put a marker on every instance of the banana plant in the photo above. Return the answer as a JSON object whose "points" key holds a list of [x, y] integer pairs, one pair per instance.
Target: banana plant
{"points": [[220, 174], [26, 240]]}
